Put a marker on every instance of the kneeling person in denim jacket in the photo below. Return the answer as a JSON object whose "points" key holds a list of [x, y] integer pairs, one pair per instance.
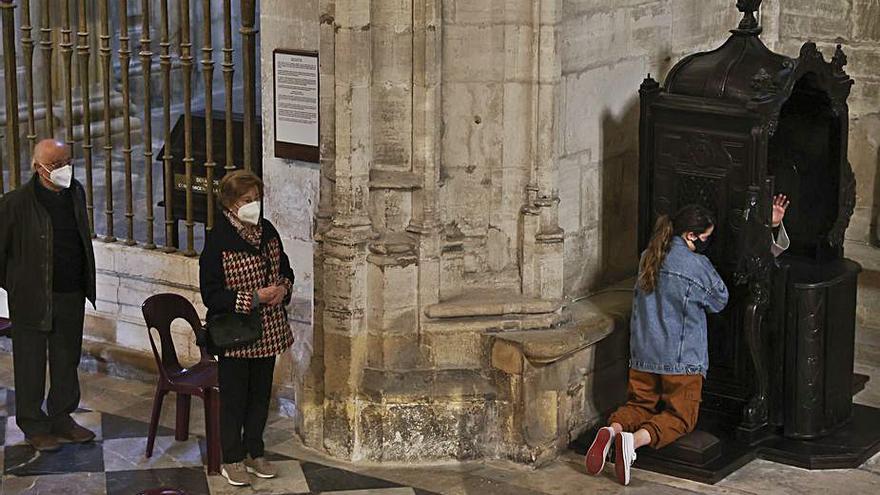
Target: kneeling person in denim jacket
{"points": [[669, 356], [676, 287]]}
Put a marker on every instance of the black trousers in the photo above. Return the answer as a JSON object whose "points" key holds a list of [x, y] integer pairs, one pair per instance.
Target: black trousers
{"points": [[245, 391], [64, 348]]}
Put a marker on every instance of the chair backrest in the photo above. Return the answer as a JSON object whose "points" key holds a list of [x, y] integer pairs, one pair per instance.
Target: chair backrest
{"points": [[159, 312]]}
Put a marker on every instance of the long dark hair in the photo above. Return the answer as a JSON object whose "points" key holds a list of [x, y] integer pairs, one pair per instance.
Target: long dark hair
{"points": [[691, 218]]}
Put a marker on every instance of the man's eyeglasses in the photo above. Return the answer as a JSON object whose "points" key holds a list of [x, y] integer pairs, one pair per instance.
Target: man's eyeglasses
{"points": [[54, 166]]}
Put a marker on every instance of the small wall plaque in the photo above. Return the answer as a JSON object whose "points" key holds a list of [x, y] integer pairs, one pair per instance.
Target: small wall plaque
{"points": [[296, 81]]}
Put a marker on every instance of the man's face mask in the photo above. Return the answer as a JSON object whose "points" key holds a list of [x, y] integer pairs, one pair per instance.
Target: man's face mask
{"points": [[61, 176]]}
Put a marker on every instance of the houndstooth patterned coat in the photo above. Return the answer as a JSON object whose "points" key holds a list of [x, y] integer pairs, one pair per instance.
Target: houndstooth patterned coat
{"points": [[238, 260]]}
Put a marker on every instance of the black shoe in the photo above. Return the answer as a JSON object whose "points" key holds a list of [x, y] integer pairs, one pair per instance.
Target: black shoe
{"points": [[75, 434]]}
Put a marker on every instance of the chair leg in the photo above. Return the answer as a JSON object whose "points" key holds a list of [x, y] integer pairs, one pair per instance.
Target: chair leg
{"points": [[212, 429], [154, 419], [181, 430]]}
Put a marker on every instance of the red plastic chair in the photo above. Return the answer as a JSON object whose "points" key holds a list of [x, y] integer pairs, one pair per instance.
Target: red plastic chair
{"points": [[199, 380]]}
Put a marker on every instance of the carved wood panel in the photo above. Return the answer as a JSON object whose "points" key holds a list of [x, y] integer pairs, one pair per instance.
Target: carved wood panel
{"points": [[706, 168], [710, 168]]}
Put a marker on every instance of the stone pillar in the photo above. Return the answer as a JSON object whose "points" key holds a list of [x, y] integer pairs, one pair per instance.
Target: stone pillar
{"points": [[426, 127], [437, 222], [345, 243], [542, 237]]}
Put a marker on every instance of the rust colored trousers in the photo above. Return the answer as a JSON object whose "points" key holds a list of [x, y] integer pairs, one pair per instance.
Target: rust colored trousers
{"points": [[666, 406]]}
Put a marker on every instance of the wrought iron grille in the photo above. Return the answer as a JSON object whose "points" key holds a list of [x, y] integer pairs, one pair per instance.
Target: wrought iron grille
{"points": [[107, 113]]}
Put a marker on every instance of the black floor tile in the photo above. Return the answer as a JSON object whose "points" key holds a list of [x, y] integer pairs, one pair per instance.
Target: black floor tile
{"points": [[192, 481], [113, 426], [329, 479], [23, 460]]}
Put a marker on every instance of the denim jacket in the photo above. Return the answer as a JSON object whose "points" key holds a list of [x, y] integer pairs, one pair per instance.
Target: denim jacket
{"points": [[668, 326]]}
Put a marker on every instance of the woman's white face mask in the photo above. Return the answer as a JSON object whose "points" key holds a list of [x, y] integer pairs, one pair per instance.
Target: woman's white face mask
{"points": [[250, 213], [61, 176]]}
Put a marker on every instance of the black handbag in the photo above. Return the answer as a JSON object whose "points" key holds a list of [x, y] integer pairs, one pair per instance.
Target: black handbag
{"points": [[232, 330]]}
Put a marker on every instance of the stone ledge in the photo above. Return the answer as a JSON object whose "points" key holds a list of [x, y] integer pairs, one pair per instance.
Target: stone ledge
{"points": [[491, 303], [563, 380], [592, 320]]}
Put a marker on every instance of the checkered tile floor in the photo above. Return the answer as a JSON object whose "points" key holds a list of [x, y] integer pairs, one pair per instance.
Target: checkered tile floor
{"points": [[114, 464]]}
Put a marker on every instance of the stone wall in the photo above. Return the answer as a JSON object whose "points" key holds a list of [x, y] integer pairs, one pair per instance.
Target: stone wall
{"points": [[855, 24], [291, 186], [607, 47], [489, 142]]}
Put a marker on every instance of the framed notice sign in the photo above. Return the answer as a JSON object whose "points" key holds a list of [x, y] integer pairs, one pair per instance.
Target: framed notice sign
{"points": [[296, 104]]}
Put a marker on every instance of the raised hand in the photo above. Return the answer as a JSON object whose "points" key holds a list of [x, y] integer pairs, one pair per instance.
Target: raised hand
{"points": [[780, 205]]}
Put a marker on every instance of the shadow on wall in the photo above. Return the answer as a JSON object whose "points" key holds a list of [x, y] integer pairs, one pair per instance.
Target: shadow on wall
{"points": [[620, 182], [619, 176]]}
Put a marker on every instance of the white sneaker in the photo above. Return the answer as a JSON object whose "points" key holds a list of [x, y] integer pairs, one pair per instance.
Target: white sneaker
{"points": [[235, 474], [624, 456], [598, 452], [260, 467]]}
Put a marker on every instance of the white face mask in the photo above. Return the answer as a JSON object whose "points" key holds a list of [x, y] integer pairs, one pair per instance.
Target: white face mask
{"points": [[250, 213], [61, 177]]}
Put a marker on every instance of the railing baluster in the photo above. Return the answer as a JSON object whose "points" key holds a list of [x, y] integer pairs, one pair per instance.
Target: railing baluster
{"points": [[75, 36], [47, 48], [85, 85], [249, 54], [186, 62], [27, 44], [108, 128], [125, 62], [208, 71], [165, 61], [228, 73], [67, 56], [13, 151], [146, 66]]}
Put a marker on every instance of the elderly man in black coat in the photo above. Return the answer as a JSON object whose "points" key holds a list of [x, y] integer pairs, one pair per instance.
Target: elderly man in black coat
{"points": [[47, 267]]}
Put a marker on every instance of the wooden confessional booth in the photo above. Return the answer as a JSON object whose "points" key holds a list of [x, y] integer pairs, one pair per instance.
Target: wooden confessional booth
{"points": [[731, 128]]}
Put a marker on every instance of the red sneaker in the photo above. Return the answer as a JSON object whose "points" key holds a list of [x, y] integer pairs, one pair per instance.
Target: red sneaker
{"points": [[598, 452], [624, 455]]}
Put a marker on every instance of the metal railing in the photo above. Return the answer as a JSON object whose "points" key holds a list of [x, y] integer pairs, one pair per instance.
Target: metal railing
{"points": [[96, 57]]}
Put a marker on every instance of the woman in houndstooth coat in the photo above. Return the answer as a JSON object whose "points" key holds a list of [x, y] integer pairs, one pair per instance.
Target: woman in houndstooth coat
{"points": [[244, 267]]}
